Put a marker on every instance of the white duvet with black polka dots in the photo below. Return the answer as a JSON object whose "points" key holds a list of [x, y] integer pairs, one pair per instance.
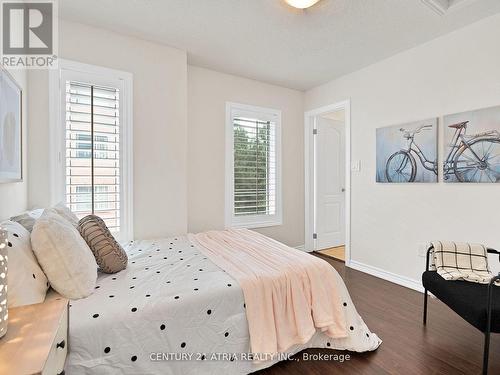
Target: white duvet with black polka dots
{"points": [[173, 311]]}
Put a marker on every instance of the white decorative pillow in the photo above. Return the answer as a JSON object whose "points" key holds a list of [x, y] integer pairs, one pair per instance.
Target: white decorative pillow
{"points": [[66, 213], [27, 219], [27, 282], [64, 256]]}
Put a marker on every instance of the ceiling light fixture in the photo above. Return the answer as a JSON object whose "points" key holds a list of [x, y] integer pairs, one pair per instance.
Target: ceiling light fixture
{"points": [[301, 4]]}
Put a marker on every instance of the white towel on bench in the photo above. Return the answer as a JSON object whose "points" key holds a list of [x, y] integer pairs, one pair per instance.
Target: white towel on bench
{"points": [[461, 261]]}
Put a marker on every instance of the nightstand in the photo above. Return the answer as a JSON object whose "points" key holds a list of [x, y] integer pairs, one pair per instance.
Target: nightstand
{"points": [[37, 339]]}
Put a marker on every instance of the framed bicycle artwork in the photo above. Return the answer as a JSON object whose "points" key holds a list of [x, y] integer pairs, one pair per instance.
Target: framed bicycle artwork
{"points": [[408, 153], [472, 146]]}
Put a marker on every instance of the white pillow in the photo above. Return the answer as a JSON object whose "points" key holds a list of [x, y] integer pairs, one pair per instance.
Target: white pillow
{"points": [[26, 280], [27, 219], [64, 256], [66, 213]]}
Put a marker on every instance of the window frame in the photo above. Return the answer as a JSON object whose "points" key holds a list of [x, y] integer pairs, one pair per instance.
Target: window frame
{"points": [[260, 220], [72, 70]]}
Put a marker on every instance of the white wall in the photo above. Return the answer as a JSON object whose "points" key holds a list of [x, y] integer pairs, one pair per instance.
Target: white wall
{"points": [[161, 152], [160, 123], [454, 73], [208, 92], [14, 195]]}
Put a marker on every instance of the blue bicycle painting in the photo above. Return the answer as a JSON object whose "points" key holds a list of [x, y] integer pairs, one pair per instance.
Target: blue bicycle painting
{"points": [[407, 153], [472, 141]]}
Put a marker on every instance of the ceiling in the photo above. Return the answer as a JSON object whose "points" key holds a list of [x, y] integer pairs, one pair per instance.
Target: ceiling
{"points": [[267, 40]]}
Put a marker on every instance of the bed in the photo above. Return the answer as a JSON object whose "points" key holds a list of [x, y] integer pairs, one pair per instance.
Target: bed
{"points": [[174, 311]]}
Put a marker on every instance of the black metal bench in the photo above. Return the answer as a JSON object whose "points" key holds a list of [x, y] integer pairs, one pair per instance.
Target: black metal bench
{"points": [[478, 304]]}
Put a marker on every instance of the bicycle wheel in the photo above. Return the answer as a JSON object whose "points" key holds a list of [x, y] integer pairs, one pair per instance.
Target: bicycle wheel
{"points": [[401, 167], [478, 162]]}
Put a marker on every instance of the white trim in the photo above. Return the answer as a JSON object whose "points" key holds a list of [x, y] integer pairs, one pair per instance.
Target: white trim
{"points": [[310, 175], [55, 129], [443, 7], [254, 221], [300, 247], [100, 75], [389, 276], [438, 6]]}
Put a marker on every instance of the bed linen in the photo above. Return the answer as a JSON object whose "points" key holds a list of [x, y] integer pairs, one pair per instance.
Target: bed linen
{"points": [[173, 311], [289, 294]]}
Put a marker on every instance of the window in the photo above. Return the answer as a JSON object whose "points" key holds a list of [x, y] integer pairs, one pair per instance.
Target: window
{"points": [[94, 138], [253, 166]]}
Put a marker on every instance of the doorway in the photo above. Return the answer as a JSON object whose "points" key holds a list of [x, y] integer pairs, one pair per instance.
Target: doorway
{"points": [[327, 180]]}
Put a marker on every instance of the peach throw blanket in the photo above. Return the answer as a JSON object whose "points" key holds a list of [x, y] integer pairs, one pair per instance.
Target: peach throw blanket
{"points": [[288, 294]]}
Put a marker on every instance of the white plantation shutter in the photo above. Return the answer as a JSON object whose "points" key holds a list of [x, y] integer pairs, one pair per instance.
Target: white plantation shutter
{"points": [[254, 146], [253, 174], [93, 151]]}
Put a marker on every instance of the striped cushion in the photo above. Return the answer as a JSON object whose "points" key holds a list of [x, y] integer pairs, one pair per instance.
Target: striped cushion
{"points": [[108, 253]]}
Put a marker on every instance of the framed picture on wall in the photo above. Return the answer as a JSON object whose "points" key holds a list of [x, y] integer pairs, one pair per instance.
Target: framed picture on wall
{"points": [[407, 153], [472, 146], [11, 163]]}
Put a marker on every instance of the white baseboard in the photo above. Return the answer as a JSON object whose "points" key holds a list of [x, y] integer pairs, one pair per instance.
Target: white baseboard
{"points": [[301, 247], [386, 275]]}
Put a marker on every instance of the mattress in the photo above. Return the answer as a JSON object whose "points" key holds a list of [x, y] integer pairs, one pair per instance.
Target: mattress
{"points": [[173, 311]]}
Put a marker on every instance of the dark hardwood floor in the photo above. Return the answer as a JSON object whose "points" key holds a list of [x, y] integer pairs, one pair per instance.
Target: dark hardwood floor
{"points": [[447, 345]]}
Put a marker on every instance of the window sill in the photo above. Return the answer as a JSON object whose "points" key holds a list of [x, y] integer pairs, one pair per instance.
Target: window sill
{"points": [[254, 223]]}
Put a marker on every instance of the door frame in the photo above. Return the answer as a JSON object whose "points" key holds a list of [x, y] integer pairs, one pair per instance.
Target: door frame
{"points": [[310, 174]]}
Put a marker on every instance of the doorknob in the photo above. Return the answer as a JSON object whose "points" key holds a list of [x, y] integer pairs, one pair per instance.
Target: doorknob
{"points": [[343, 190]]}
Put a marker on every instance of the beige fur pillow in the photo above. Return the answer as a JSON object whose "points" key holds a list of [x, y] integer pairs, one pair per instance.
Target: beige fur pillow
{"points": [[66, 213], [108, 253], [64, 256]]}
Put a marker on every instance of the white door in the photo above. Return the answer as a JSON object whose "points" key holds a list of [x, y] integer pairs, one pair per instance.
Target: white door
{"points": [[330, 179]]}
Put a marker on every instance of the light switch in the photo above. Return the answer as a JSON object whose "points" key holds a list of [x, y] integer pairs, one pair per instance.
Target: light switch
{"points": [[356, 166]]}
